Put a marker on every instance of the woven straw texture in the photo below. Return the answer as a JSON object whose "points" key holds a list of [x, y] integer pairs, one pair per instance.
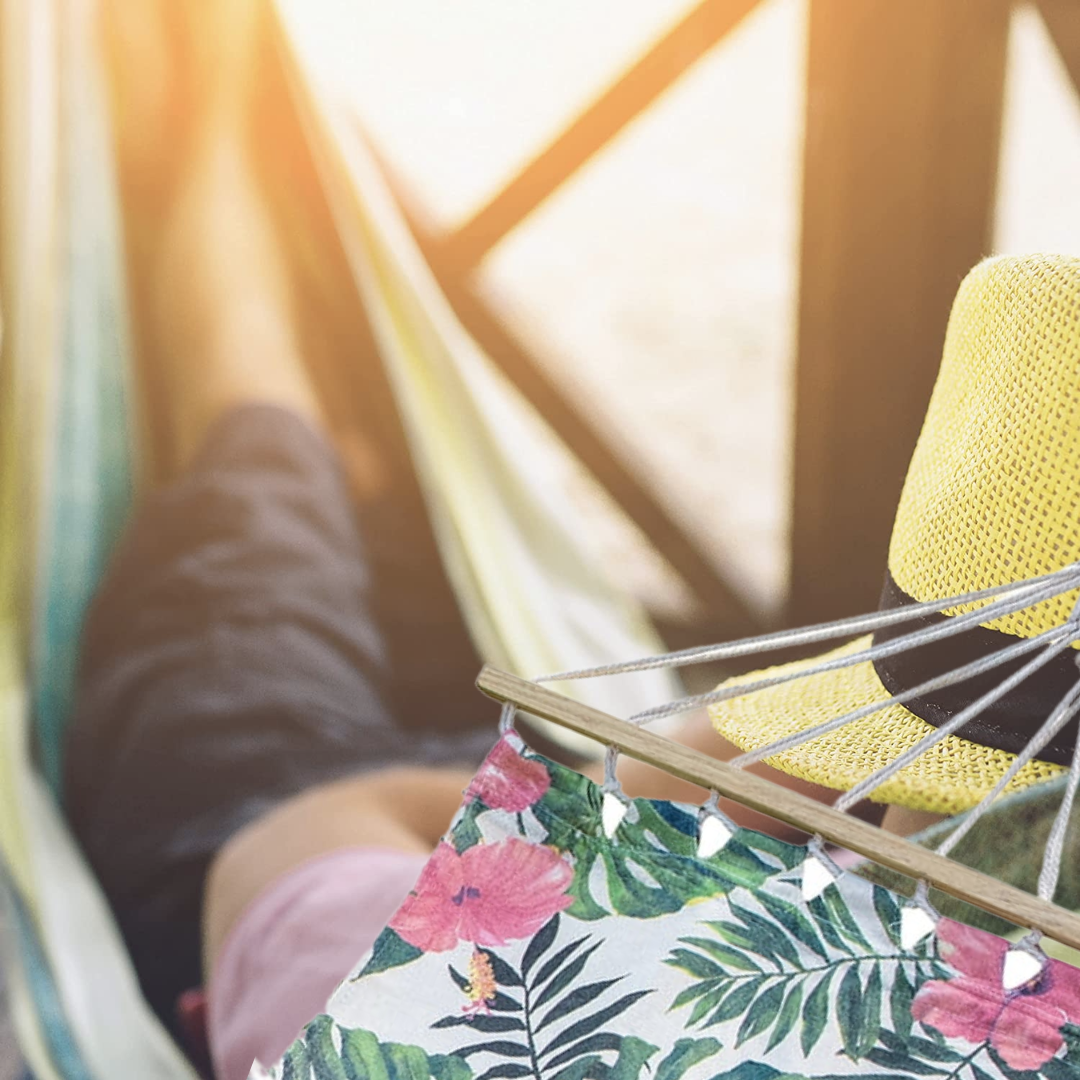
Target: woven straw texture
{"points": [[993, 491], [992, 496]]}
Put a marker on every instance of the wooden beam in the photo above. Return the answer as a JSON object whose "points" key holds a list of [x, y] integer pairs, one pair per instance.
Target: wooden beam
{"points": [[602, 120], [782, 804], [1062, 18], [903, 118], [723, 609]]}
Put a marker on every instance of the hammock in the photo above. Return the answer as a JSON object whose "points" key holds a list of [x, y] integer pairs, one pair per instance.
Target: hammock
{"points": [[533, 593]]}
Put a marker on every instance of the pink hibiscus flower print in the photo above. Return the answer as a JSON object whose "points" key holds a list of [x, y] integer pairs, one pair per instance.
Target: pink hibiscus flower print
{"points": [[488, 895], [509, 781], [1023, 1026]]}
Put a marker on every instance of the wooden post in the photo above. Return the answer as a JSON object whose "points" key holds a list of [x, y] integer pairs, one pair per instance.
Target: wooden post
{"points": [[903, 117], [667, 60]]}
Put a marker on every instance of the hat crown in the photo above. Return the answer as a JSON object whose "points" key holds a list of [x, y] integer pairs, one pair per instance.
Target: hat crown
{"points": [[992, 494]]}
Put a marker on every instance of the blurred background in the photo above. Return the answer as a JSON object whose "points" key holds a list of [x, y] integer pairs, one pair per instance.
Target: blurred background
{"points": [[716, 244], [851, 157]]}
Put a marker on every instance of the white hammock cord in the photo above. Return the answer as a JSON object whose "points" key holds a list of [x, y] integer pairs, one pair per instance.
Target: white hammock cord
{"points": [[1011, 598]]}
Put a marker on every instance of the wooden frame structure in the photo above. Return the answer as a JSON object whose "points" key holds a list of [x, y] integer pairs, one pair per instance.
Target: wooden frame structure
{"points": [[903, 125]]}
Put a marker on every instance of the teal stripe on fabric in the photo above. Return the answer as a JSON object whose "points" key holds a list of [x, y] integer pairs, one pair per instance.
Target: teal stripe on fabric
{"points": [[89, 490], [55, 1030]]}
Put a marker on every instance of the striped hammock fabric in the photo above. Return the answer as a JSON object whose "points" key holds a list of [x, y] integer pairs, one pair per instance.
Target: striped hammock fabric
{"points": [[534, 595], [532, 591], [65, 486]]}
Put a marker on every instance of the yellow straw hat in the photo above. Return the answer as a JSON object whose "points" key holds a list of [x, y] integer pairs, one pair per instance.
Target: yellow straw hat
{"points": [[992, 496]]}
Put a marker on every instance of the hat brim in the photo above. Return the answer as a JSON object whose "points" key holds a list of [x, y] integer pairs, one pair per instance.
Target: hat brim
{"points": [[948, 779]]}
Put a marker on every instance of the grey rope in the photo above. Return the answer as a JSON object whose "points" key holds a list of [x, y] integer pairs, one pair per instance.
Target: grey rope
{"points": [[921, 899], [1011, 598], [1064, 711], [1029, 943], [816, 849], [506, 718], [1050, 874], [948, 629], [967, 671], [611, 778], [876, 779], [809, 635]]}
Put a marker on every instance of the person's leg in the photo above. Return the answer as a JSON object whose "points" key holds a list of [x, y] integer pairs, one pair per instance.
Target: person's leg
{"points": [[231, 661], [403, 809], [221, 305], [233, 677]]}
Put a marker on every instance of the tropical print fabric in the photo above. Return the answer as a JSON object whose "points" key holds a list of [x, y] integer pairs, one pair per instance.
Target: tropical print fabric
{"points": [[535, 948]]}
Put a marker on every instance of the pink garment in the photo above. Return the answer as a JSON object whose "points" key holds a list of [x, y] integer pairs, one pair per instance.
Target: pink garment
{"points": [[293, 945]]}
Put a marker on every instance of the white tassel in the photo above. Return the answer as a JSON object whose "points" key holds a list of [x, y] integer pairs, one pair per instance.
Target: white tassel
{"points": [[816, 877], [916, 925], [612, 813], [1020, 968], [713, 836]]}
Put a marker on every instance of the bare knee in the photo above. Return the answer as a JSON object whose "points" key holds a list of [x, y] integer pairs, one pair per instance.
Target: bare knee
{"points": [[404, 809]]}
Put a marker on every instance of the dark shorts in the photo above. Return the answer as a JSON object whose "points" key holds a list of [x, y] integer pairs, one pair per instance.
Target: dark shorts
{"points": [[239, 652]]}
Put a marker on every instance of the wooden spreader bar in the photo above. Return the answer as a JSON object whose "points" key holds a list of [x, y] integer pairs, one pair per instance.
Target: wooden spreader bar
{"points": [[757, 793]]}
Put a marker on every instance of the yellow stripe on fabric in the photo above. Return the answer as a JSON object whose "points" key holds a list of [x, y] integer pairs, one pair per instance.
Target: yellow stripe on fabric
{"points": [[13, 704], [27, 1024], [30, 232]]}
